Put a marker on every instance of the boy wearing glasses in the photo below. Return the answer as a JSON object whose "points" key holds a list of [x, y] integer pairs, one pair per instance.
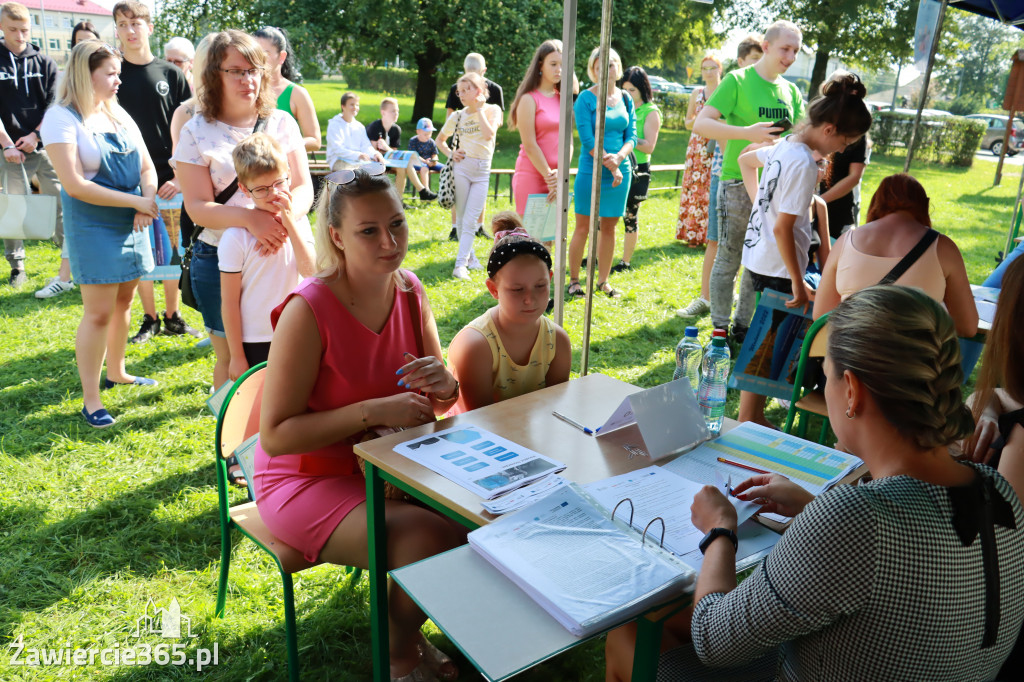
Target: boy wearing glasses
{"points": [[151, 89], [252, 281]]}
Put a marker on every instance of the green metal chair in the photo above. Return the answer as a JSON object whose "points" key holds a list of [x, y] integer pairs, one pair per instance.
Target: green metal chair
{"points": [[238, 420], [806, 402]]}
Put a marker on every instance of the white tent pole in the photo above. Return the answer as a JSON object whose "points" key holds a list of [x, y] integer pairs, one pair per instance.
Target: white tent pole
{"points": [[595, 192], [564, 154], [924, 86]]}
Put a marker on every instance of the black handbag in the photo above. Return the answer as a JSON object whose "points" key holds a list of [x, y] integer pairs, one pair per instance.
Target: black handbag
{"points": [[188, 297]]}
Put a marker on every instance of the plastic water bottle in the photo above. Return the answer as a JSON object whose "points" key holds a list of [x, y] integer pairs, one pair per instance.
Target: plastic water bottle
{"points": [[714, 375], [689, 354]]}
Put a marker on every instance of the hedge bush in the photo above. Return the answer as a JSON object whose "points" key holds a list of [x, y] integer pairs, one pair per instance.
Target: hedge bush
{"points": [[673, 109], [380, 79], [951, 140]]}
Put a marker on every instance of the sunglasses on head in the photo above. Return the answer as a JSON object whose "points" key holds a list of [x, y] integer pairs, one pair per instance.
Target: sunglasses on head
{"points": [[347, 175]]}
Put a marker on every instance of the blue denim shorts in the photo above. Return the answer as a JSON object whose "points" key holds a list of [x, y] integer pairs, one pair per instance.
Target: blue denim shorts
{"points": [[206, 286]]}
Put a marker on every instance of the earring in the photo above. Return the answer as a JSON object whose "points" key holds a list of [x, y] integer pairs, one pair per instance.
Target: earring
{"points": [[849, 415]]}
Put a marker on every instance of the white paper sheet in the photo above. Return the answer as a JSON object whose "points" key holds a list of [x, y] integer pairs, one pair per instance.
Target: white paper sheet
{"points": [[540, 218], [517, 499], [478, 460]]}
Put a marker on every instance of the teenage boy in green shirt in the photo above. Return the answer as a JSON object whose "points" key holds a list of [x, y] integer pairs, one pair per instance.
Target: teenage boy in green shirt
{"points": [[742, 110]]}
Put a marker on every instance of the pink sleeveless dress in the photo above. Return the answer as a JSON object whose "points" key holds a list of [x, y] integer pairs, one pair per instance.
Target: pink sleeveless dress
{"points": [[303, 497], [527, 180]]}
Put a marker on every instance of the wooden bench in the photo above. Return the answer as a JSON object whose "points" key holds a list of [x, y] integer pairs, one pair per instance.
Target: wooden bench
{"points": [[318, 169]]}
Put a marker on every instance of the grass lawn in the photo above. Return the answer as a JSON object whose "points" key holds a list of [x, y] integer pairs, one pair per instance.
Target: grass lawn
{"points": [[93, 524]]}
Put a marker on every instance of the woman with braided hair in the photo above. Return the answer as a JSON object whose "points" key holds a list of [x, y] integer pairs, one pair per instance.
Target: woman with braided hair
{"points": [[898, 221], [917, 574]]}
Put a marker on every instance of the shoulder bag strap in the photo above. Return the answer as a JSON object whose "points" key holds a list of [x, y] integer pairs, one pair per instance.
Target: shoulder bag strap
{"points": [[229, 191], [911, 257]]}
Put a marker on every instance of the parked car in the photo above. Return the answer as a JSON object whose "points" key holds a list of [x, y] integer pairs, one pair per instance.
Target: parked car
{"points": [[993, 137], [875, 106]]}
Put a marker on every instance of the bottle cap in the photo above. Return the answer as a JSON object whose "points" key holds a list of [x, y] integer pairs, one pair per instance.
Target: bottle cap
{"points": [[691, 331], [718, 333], [718, 341]]}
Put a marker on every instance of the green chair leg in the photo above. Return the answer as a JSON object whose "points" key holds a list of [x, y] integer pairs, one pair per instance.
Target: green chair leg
{"points": [[291, 638], [225, 565]]}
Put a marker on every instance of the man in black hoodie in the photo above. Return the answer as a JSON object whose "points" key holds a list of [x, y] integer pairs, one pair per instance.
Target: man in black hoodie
{"points": [[28, 84]]}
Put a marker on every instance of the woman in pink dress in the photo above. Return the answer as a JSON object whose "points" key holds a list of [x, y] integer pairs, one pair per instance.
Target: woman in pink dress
{"points": [[535, 113], [692, 226], [355, 350]]}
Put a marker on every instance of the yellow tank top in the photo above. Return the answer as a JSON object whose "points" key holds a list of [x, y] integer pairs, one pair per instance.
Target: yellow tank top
{"points": [[511, 379]]}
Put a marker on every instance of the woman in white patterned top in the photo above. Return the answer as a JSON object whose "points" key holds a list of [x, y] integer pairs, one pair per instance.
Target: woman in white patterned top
{"points": [[917, 575]]}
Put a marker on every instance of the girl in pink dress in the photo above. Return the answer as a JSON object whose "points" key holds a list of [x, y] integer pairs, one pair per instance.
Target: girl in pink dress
{"points": [[355, 348], [692, 226], [535, 113]]}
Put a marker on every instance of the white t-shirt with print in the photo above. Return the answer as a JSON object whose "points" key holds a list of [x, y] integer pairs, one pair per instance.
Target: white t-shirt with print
{"points": [[266, 279], [206, 143], [787, 185], [61, 126], [471, 140]]}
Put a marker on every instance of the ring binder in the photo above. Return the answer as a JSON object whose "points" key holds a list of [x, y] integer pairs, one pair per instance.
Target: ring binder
{"points": [[643, 538], [631, 510]]}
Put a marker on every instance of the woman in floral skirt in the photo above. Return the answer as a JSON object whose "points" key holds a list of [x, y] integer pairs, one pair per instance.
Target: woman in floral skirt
{"points": [[692, 226]]}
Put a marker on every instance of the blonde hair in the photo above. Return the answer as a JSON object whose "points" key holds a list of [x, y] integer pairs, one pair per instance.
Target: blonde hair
{"points": [[15, 11], [330, 212], [476, 79], [474, 63], [902, 345], [779, 27], [257, 155], [613, 56], [389, 100], [76, 88]]}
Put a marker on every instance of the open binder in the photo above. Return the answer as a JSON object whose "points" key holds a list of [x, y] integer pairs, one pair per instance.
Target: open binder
{"points": [[589, 569]]}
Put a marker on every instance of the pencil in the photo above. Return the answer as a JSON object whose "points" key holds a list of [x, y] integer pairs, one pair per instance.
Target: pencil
{"points": [[573, 422], [723, 460]]}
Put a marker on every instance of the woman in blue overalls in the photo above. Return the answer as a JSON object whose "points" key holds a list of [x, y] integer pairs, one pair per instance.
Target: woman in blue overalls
{"points": [[108, 195]]}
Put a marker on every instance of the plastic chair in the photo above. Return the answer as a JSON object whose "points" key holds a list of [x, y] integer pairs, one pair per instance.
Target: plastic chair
{"points": [[238, 420], [805, 401]]}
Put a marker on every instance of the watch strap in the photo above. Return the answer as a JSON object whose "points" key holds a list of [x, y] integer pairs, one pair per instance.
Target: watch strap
{"points": [[715, 533]]}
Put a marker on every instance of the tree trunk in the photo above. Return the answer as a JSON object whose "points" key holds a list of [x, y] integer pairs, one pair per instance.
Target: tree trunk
{"points": [[818, 73], [426, 82]]}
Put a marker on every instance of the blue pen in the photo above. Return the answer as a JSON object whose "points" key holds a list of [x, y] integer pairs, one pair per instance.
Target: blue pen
{"points": [[573, 422]]}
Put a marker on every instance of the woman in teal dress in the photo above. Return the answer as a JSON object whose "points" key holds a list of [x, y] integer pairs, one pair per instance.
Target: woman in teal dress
{"points": [[619, 140]]}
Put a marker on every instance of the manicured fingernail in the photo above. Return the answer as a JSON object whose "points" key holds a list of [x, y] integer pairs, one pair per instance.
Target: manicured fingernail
{"points": [[399, 371], [400, 383]]}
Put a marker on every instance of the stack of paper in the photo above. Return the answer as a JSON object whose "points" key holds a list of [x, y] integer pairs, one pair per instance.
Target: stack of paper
{"points": [[587, 571]]}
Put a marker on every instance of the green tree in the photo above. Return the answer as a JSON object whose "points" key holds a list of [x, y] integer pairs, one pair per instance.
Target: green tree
{"points": [[193, 19], [976, 59], [873, 34]]}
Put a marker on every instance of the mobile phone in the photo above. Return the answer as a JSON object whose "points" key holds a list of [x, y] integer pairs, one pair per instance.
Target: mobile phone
{"points": [[783, 123]]}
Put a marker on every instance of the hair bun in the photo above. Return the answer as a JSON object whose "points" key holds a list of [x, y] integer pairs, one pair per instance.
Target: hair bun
{"points": [[844, 85]]}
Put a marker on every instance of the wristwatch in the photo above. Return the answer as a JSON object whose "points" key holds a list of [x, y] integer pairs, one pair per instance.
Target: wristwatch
{"points": [[715, 533]]}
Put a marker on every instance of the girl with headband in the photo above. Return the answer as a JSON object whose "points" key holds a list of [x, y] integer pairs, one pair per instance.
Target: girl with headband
{"points": [[512, 348]]}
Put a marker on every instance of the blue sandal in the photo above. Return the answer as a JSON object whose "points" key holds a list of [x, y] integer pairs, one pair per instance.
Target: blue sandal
{"points": [[138, 381], [100, 419]]}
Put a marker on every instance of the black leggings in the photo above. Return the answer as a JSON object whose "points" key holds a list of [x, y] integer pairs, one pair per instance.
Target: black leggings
{"points": [[637, 193], [255, 353]]}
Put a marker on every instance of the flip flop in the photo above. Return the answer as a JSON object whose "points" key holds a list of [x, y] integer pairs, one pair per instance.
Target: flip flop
{"points": [[609, 292], [235, 474], [575, 290]]}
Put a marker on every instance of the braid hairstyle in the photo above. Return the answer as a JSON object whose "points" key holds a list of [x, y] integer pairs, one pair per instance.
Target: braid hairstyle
{"points": [[902, 345]]}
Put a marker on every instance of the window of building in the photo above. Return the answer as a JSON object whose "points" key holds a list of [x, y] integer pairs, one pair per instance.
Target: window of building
{"points": [[54, 43], [49, 21], [35, 19], [69, 43], [66, 22]]}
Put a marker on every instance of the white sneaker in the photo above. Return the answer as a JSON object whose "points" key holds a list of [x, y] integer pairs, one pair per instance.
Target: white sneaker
{"points": [[461, 272], [474, 264], [54, 287], [700, 306]]}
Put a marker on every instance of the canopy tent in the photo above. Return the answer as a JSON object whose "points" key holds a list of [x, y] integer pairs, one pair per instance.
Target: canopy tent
{"points": [[1007, 11]]}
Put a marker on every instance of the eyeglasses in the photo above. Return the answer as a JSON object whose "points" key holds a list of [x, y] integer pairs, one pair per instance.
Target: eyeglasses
{"points": [[264, 190], [347, 175], [243, 74], [180, 62], [709, 68]]}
